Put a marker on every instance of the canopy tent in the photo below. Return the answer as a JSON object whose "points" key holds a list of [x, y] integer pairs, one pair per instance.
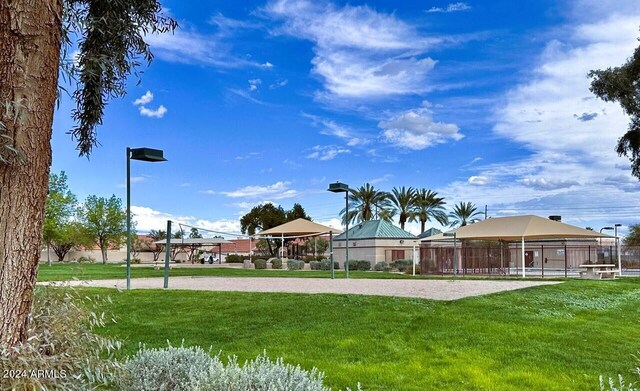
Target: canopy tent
{"points": [[517, 228], [296, 228], [196, 242]]}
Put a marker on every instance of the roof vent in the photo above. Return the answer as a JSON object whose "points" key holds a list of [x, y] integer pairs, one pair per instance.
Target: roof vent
{"points": [[555, 218]]}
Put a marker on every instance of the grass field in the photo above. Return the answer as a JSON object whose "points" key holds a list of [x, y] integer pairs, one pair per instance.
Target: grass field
{"points": [[88, 271], [559, 337]]}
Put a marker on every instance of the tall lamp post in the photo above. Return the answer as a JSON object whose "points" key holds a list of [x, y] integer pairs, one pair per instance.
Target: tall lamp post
{"points": [[146, 155], [454, 267], [618, 248], [602, 229], [339, 187]]}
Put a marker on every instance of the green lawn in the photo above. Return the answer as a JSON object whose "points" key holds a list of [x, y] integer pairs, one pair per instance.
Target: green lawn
{"points": [[88, 271], [557, 337]]}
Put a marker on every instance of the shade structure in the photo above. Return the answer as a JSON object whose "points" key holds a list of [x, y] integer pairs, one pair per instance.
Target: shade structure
{"points": [[515, 228], [299, 227]]}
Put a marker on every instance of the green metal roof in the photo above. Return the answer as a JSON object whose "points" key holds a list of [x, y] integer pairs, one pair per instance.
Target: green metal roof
{"points": [[376, 229], [430, 232]]}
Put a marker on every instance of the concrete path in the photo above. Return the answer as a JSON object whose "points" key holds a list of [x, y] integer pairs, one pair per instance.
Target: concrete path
{"points": [[427, 289]]}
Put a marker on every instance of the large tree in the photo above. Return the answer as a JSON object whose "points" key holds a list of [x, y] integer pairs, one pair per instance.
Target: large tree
{"points": [[404, 201], [429, 206], [622, 84], [110, 38], [104, 221], [633, 237], [367, 203]]}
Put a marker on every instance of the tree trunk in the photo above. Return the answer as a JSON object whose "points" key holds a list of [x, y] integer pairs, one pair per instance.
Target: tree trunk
{"points": [[30, 37], [103, 251]]}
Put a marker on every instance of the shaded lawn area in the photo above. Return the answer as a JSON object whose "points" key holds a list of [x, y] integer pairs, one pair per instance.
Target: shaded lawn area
{"points": [[559, 337], [89, 271]]}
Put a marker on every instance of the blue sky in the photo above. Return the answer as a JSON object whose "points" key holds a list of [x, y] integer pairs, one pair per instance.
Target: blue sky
{"points": [[270, 101]]}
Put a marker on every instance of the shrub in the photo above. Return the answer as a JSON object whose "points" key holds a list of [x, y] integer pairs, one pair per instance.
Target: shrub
{"points": [[325, 264], [235, 258], [382, 267], [260, 264], [309, 258], [193, 369], [409, 269], [401, 264], [293, 264], [276, 263], [315, 265], [355, 264], [84, 259], [61, 339], [136, 261]]}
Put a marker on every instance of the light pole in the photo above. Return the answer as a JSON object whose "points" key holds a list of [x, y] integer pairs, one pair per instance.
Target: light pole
{"points": [[618, 248], [339, 187], [454, 267], [601, 229], [146, 155]]}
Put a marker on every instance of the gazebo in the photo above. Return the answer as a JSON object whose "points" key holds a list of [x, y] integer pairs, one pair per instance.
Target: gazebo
{"points": [[194, 243], [298, 228], [516, 229]]}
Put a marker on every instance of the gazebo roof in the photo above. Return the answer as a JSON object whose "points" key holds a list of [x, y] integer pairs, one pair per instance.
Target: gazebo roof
{"points": [[194, 241], [527, 227], [298, 227]]}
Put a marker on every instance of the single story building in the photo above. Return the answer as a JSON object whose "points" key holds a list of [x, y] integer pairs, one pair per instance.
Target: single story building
{"points": [[375, 241]]}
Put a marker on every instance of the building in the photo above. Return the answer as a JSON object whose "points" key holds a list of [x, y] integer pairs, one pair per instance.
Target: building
{"points": [[375, 241]]}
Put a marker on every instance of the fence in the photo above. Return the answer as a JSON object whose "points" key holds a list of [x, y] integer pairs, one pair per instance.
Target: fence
{"points": [[541, 259]]}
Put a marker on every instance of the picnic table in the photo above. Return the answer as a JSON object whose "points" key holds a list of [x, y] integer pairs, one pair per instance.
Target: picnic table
{"points": [[598, 271]]}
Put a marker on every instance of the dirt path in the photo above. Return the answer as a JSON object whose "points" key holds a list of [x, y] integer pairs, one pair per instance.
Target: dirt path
{"points": [[428, 289]]}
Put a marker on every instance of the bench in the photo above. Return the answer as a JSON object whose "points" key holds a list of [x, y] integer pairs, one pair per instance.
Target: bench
{"points": [[606, 273]]}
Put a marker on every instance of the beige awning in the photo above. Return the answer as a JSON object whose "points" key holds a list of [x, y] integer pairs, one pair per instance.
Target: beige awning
{"points": [[194, 241], [514, 228], [299, 227]]}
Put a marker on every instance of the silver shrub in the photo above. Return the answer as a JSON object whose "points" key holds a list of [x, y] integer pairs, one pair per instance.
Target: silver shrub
{"points": [[193, 369]]}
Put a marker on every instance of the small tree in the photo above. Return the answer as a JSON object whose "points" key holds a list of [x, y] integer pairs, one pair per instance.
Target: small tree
{"points": [[69, 236], [633, 237], [317, 245], [157, 249], [104, 221], [60, 208]]}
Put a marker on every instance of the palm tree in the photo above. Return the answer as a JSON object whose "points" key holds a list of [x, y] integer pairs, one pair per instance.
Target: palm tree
{"points": [[366, 203], [404, 201], [429, 206], [463, 214]]}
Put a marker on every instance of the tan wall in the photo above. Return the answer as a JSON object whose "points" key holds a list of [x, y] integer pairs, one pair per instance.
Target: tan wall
{"points": [[373, 250], [117, 256]]}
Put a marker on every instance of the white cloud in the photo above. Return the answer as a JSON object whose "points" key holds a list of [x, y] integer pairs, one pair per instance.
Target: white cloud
{"points": [[381, 179], [331, 128], [144, 99], [267, 65], [157, 113], [147, 219], [253, 84], [358, 52], [453, 7], [279, 84], [276, 191], [548, 184], [247, 95], [326, 152], [478, 180], [415, 129]]}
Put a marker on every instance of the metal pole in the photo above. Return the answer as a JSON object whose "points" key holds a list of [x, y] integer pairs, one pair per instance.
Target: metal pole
{"points": [[524, 274], [250, 252], [346, 233], [454, 267], [167, 256], [331, 253], [48, 255], [542, 259], [413, 257], [128, 220], [618, 251], [565, 260]]}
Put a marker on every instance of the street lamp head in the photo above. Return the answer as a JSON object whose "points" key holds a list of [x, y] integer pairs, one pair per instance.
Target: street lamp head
{"points": [[147, 154], [618, 225], [449, 234], [338, 187], [609, 228]]}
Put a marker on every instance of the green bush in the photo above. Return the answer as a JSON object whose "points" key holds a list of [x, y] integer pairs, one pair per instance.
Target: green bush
{"points": [[294, 264], [236, 258], [276, 263], [382, 267], [192, 369], [401, 264], [136, 261], [356, 264], [325, 264], [409, 269], [315, 265], [260, 264], [309, 258], [61, 340]]}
